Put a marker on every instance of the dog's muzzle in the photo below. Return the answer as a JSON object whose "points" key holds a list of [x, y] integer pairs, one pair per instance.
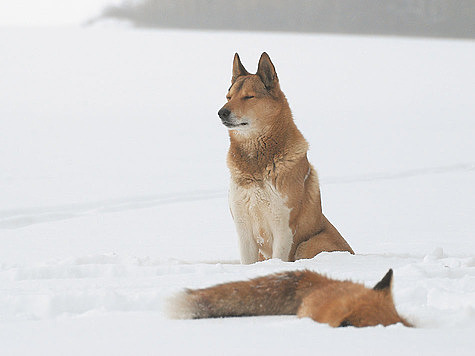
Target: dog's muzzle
{"points": [[224, 114], [229, 120]]}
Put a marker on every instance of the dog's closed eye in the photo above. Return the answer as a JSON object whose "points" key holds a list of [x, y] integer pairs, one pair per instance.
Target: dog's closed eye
{"points": [[248, 97]]}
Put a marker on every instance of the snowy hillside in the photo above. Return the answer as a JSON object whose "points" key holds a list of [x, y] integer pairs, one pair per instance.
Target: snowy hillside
{"points": [[113, 187]]}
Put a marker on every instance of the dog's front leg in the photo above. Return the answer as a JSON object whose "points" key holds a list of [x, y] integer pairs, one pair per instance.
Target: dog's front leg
{"points": [[243, 220], [248, 248], [247, 244], [282, 246]]}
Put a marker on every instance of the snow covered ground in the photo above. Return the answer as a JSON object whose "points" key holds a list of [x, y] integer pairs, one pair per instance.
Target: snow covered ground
{"points": [[113, 187]]}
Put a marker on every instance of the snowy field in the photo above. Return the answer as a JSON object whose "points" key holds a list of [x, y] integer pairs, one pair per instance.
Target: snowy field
{"points": [[113, 187]]}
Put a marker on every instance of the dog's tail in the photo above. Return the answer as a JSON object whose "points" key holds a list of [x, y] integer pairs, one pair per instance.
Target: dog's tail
{"points": [[277, 294]]}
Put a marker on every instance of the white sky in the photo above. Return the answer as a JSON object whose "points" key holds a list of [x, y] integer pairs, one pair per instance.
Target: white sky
{"points": [[50, 12]]}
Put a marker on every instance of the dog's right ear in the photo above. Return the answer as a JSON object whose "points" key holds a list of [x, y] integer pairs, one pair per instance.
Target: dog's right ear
{"points": [[238, 68]]}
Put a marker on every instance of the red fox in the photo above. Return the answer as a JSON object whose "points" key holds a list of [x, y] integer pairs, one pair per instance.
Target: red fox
{"points": [[301, 293]]}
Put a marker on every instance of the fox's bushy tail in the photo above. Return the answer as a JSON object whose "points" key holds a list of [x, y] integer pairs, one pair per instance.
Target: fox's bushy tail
{"points": [[277, 294]]}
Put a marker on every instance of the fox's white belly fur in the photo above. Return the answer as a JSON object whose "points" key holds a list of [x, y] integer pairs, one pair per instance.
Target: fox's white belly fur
{"points": [[262, 221]]}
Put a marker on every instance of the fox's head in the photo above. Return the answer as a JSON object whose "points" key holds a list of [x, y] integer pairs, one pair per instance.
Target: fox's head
{"points": [[351, 304], [254, 100]]}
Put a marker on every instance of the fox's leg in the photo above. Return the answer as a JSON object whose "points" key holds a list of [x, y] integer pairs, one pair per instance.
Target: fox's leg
{"points": [[327, 240]]}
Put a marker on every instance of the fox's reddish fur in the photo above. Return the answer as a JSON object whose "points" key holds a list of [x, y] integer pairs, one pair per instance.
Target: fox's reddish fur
{"points": [[301, 293], [274, 192]]}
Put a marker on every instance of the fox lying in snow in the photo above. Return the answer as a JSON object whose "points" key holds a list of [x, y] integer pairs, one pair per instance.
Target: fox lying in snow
{"points": [[301, 293]]}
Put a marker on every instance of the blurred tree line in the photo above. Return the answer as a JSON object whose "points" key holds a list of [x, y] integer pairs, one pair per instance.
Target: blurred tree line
{"points": [[435, 18]]}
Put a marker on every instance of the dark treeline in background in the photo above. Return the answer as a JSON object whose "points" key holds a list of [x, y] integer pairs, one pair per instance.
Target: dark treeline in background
{"points": [[432, 18]]}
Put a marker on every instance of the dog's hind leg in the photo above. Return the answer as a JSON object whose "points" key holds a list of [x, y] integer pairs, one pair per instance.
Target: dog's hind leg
{"points": [[328, 240]]}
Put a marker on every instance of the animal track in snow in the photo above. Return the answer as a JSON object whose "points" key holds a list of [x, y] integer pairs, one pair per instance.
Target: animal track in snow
{"points": [[13, 219]]}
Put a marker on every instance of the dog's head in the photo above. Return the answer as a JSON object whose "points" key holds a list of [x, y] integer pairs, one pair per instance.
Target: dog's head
{"points": [[254, 100]]}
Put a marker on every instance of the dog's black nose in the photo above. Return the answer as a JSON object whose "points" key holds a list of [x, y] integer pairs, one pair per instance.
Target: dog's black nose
{"points": [[224, 113]]}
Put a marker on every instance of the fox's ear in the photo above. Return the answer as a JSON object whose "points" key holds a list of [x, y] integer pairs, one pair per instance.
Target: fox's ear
{"points": [[266, 71], [385, 283], [238, 68]]}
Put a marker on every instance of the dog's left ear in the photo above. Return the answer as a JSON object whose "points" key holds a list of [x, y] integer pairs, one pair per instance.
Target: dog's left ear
{"points": [[266, 71]]}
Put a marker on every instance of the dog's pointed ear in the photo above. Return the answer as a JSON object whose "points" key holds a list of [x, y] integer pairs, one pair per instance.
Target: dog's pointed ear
{"points": [[238, 68], [385, 283], [266, 71]]}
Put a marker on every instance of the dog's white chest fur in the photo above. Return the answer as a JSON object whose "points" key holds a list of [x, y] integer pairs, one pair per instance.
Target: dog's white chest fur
{"points": [[262, 221]]}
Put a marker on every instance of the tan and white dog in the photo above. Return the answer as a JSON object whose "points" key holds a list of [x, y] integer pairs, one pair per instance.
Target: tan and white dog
{"points": [[274, 193]]}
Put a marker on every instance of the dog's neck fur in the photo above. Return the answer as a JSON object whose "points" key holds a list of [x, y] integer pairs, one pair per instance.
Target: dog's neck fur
{"points": [[257, 156]]}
